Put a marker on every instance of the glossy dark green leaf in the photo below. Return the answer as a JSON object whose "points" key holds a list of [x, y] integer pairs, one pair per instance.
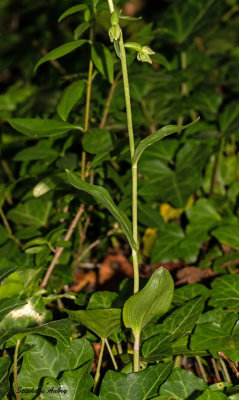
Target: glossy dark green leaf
{"points": [[157, 347], [73, 385], [102, 299], [48, 359], [81, 29], [35, 153], [155, 137], [70, 97], [36, 128], [102, 321], [153, 300], [135, 386], [182, 385], [103, 60], [167, 245], [72, 10], [103, 196], [228, 234], [60, 330], [5, 272], [149, 216], [98, 141], [60, 52], [225, 292], [182, 321], [9, 304], [188, 292]]}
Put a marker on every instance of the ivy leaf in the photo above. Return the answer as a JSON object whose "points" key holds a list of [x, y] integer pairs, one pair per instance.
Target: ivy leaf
{"points": [[103, 196], [5, 363], [60, 51], [225, 292], [73, 385], [72, 10], [155, 137], [70, 97], [102, 322], [212, 395], [157, 347], [103, 60], [135, 386], [37, 128], [182, 321], [182, 384], [153, 300]]}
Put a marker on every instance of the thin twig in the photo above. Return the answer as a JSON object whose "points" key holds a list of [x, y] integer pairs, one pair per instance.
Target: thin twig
{"points": [[7, 226], [111, 354], [233, 367], [59, 250]]}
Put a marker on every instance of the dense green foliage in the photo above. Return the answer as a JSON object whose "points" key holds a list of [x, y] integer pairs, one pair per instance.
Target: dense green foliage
{"points": [[188, 187]]}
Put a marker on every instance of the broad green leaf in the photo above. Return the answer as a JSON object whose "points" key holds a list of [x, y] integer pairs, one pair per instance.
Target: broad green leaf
{"points": [[5, 363], [5, 272], [102, 299], [174, 186], [182, 18], [167, 245], [70, 97], [181, 346], [135, 386], [72, 10], [37, 128], [155, 137], [13, 285], [9, 304], [227, 234], [60, 51], [48, 359], [225, 292], [157, 347], [182, 321], [149, 216], [60, 330], [103, 60], [102, 322], [209, 395], [182, 384], [34, 212], [81, 29], [228, 116], [48, 184], [73, 385], [103, 196], [188, 292], [98, 141], [35, 153], [153, 300]]}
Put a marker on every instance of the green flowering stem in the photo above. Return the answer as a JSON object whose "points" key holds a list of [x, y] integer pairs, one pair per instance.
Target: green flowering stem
{"points": [[97, 374], [136, 351], [132, 151]]}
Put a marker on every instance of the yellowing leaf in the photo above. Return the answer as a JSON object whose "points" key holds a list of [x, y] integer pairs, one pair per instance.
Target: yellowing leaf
{"points": [[150, 235], [168, 212]]}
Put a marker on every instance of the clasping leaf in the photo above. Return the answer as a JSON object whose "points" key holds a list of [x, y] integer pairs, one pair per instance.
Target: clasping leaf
{"points": [[153, 300], [155, 137]]}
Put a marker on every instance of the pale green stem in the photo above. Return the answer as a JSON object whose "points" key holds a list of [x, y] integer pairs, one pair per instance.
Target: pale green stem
{"points": [[177, 361], [111, 355], [136, 351], [204, 375], [97, 374], [225, 371], [16, 388]]}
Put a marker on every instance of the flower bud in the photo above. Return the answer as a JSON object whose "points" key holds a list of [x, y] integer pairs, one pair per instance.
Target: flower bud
{"points": [[114, 32], [147, 50], [143, 54], [114, 18]]}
